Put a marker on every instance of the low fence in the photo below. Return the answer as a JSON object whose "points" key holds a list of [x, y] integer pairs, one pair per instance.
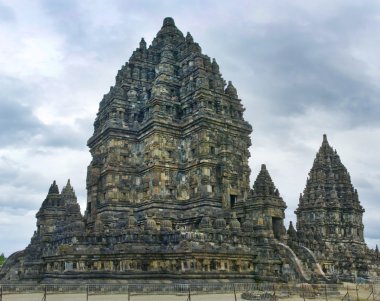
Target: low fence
{"points": [[191, 292]]}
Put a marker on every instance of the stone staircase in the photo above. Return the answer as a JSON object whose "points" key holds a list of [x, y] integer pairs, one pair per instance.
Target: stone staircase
{"points": [[303, 261], [289, 256], [10, 263], [307, 255]]}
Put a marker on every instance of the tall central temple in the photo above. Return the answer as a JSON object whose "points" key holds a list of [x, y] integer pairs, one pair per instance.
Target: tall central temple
{"points": [[169, 196], [168, 135]]}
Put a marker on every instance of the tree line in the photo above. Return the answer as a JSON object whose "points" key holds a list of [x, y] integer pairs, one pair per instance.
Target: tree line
{"points": [[2, 258]]}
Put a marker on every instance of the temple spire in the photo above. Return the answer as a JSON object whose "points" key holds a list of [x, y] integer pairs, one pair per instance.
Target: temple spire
{"points": [[68, 193], [263, 184], [324, 141], [189, 38], [53, 188], [292, 233], [231, 90], [168, 21], [142, 44]]}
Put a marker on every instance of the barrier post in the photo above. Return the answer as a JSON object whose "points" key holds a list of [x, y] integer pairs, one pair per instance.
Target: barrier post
{"points": [[357, 293], [347, 294], [303, 292], [373, 293], [45, 293]]}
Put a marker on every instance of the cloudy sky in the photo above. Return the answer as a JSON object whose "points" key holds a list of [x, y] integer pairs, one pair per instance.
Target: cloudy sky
{"points": [[302, 69]]}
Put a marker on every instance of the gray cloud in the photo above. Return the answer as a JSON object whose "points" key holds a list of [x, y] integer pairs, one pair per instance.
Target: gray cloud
{"points": [[17, 193], [63, 136], [304, 62], [300, 76], [68, 20], [91, 31], [20, 126], [8, 169], [16, 117]]}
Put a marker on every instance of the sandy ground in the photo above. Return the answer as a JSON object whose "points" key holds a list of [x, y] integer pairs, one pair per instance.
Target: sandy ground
{"points": [[82, 297], [363, 294], [133, 297]]}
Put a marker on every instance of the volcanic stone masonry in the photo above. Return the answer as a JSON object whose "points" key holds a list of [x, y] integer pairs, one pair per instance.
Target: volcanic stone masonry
{"points": [[169, 196]]}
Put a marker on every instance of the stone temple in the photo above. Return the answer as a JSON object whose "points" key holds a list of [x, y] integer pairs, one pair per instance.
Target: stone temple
{"points": [[169, 196]]}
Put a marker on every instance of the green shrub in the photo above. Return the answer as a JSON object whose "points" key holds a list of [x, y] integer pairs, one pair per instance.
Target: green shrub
{"points": [[2, 258]]}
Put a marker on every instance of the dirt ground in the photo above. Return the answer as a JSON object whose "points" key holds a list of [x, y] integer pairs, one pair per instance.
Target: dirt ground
{"points": [[348, 292], [82, 297], [133, 297]]}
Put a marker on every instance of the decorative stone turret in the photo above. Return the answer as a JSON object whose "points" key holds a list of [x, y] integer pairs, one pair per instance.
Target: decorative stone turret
{"points": [[267, 206], [70, 201], [59, 211], [234, 223], [51, 212], [206, 223], [292, 233], [150, 224], [68, 194], [231, 90], [220, 223], [166, 225]]}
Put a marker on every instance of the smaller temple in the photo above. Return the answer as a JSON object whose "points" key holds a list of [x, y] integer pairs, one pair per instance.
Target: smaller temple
{"points": [[266, 207], [59, 211], [329, 217], [59, 222]]}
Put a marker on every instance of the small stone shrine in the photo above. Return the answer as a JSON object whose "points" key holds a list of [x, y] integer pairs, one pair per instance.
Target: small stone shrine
{"points": [[169, 196]]}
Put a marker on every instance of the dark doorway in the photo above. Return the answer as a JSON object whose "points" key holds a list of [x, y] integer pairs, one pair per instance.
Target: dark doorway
{"points": [[277, 227], [233, 199]]}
